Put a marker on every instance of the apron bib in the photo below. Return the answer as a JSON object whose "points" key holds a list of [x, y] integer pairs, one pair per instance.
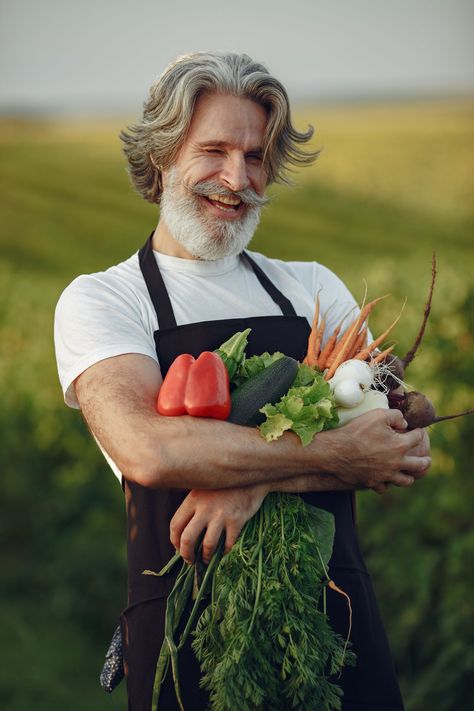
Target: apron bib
{"points": [[372, 684]]}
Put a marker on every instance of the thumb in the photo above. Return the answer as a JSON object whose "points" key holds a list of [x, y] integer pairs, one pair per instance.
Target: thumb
{"points": [[396, 420]]}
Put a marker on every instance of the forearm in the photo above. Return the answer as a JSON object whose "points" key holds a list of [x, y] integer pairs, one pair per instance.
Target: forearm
{"points": [[118, 399], [206, 454], [180, 452], [194, 453], [307, 483]]}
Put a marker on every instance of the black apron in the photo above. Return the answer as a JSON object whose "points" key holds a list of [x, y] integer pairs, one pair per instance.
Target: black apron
{"points": [[372, 685]]}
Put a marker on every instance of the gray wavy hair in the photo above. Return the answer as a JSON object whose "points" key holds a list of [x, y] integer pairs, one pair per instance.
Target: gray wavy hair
{"points": [[153, 144]]}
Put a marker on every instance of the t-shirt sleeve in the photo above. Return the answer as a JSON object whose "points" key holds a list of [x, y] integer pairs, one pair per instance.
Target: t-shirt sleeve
{"points": [[337, 303], [93, 321]]}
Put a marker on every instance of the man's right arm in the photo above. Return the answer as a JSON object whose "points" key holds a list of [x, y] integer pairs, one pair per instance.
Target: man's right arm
{"points": [[118, 396]]}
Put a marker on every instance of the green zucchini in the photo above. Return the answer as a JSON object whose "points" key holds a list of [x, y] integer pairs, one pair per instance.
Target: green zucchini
{"points": [[267, 386]]}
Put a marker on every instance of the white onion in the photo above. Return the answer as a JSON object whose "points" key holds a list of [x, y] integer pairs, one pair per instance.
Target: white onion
{"points": [[358, 370], [348, 393], [372, 400]]}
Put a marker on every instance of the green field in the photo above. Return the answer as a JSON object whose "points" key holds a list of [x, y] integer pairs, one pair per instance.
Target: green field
{"points": [[392, 184]]}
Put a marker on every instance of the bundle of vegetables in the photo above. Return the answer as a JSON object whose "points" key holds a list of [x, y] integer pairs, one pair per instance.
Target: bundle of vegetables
{"points": [[263, 638], [362, 378]]}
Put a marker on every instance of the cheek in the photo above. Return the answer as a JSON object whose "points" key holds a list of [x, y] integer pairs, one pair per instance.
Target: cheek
{"points": [[259, 179], [204, 169]]}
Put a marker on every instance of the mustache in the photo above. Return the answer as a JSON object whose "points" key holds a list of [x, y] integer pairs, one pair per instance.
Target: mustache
{"points": [[209, 187]]}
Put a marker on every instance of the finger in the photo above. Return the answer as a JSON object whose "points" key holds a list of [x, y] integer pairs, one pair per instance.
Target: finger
{"points": [[189, 538], [179, 522], [211, 539], [415, 465], [396, 420], [412, 439], [419, 475], [401, 479], [422, 449], [232, 533], [381, 488]]}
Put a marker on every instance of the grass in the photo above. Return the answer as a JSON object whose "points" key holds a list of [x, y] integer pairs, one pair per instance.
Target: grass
{"points": [[391, 186]]}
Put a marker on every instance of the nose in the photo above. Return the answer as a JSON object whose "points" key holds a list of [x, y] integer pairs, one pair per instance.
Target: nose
{"points": [[234, 172]]}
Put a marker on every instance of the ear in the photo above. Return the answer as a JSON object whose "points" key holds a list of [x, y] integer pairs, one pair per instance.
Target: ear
{"points": [[164, 178], [155, 164]]}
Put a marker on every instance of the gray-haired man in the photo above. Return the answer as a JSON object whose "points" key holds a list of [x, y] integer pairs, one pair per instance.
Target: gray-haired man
{"points": [[216, 131]]}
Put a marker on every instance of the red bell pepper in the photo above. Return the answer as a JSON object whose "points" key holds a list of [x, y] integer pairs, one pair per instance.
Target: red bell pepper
{"points": [[196, 387]]}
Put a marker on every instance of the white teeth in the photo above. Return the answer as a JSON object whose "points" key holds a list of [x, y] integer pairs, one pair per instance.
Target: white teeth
{"points": [[225, 199]]}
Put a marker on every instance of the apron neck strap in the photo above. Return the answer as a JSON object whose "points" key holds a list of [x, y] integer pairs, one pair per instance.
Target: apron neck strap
{"points": [[156, 286], [161, 300], [285, 304]]}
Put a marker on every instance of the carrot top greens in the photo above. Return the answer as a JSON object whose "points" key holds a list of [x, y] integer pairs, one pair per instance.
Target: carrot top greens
{"points": [[264, 639]]}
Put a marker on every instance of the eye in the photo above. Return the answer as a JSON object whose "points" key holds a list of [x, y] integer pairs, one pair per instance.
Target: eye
{"points": [[254, 157], [214, 151]]}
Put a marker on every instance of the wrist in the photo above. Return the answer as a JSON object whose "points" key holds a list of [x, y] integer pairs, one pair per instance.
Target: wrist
{"points": [[328, 447], [265, 488]]}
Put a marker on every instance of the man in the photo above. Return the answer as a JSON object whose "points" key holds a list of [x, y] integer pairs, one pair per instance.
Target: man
{"points": [[216, 131]]}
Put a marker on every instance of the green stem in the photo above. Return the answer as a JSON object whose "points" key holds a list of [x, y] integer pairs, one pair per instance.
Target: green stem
{"points": [[170, 564], [164, 656], [256, 550], [160, 673], [207, 576], [322, 563], [174, 661], [260, 573], [175, 605]]}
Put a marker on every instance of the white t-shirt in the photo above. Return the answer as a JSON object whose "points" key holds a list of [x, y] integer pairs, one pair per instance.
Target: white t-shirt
{"points": [[110, 313]]}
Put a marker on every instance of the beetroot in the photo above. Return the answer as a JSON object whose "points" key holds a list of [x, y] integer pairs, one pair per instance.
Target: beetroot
{"points": [[419, 411]]}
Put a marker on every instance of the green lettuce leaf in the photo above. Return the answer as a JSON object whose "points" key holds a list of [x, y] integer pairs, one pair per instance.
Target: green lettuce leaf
{"points": [[307, 408], [274, 426], [232, 352], [252, 366], [323, 522]]}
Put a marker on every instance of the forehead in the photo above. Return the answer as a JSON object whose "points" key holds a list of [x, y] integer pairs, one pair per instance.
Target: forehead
{"points": [[228, 119]]}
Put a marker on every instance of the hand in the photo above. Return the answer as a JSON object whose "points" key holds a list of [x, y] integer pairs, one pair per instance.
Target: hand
{"points": [[216, 511], [422, 449], [375, 450]]}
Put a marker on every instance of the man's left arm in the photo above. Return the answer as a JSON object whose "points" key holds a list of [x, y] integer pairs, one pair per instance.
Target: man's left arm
{"points": [[228, 510]]}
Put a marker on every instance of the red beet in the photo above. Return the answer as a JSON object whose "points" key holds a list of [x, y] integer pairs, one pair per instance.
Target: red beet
{"points": [[419, 411]]}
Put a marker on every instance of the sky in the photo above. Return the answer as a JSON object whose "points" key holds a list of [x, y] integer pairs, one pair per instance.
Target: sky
{"points": [[102, 55]]}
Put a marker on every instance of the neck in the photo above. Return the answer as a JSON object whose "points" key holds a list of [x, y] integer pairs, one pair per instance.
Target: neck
{"points": [[164, 242]]}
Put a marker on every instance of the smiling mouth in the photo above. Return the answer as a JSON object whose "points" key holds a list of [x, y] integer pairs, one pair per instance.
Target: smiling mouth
{"points": [[226, 203]]}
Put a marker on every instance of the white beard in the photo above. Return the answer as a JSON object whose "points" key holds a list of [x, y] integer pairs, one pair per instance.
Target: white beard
{"points": [[204, 236]]}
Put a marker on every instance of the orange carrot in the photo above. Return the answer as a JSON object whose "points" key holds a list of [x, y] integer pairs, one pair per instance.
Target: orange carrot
{"points": [[365, 352], [342, 342], [309, 358], [331, 584], [317, 341], [383, 355], [347, 341], [359, 343], [328, 348]]}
